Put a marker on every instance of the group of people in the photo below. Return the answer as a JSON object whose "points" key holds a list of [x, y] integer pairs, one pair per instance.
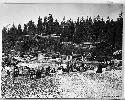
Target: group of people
{"points": [[67, 67]]}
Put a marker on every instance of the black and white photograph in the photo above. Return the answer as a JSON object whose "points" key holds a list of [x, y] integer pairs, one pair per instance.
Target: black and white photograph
{"points": [[62, 50]]}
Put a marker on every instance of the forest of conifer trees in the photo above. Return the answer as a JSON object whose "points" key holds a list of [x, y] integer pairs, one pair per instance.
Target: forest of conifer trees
{"points": [[24, 38]]}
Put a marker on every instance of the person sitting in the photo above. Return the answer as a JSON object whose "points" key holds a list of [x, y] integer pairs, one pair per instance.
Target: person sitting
{"points": [[38, 74]]}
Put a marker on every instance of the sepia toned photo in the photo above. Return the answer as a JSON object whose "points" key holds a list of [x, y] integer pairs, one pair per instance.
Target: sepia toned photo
{"points": [[62, 50]]}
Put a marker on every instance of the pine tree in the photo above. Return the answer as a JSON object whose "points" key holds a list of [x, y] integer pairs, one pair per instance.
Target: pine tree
{"points": [[19, 30], [40, 26], [45, 25], [31, 28], [25, 30], [50, 25]]}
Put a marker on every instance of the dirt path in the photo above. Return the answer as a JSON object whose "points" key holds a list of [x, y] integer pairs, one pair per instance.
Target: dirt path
{"points": [[73, 85], [89, 85]]}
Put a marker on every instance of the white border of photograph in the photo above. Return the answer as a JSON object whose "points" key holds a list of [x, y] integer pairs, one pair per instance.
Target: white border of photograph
{"points": [[69, 1]]}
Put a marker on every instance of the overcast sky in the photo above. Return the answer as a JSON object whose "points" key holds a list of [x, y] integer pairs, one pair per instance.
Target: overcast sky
{"points": [[22, 13]]}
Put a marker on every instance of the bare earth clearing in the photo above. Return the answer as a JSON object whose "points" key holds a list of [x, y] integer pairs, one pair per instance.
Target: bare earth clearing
{"points": [[73, 85]]}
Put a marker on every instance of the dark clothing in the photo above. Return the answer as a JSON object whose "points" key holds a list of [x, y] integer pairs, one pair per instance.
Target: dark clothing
{"points": [[38, 74], [99, 69]]}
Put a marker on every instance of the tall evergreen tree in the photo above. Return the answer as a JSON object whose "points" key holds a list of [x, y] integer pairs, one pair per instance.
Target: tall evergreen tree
{"points": [[31, 28], [25, 30], [19, 30], [40, 26]]}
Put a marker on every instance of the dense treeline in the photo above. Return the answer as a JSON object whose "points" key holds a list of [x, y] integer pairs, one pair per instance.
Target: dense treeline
{"points": [[108, 33]]}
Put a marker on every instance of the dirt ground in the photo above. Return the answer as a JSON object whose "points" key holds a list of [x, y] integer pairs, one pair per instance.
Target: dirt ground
{"points": [[73, 85], [91, 85]]}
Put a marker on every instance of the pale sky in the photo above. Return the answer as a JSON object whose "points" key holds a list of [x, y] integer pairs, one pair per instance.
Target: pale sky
{"points": [[22, 13]]}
